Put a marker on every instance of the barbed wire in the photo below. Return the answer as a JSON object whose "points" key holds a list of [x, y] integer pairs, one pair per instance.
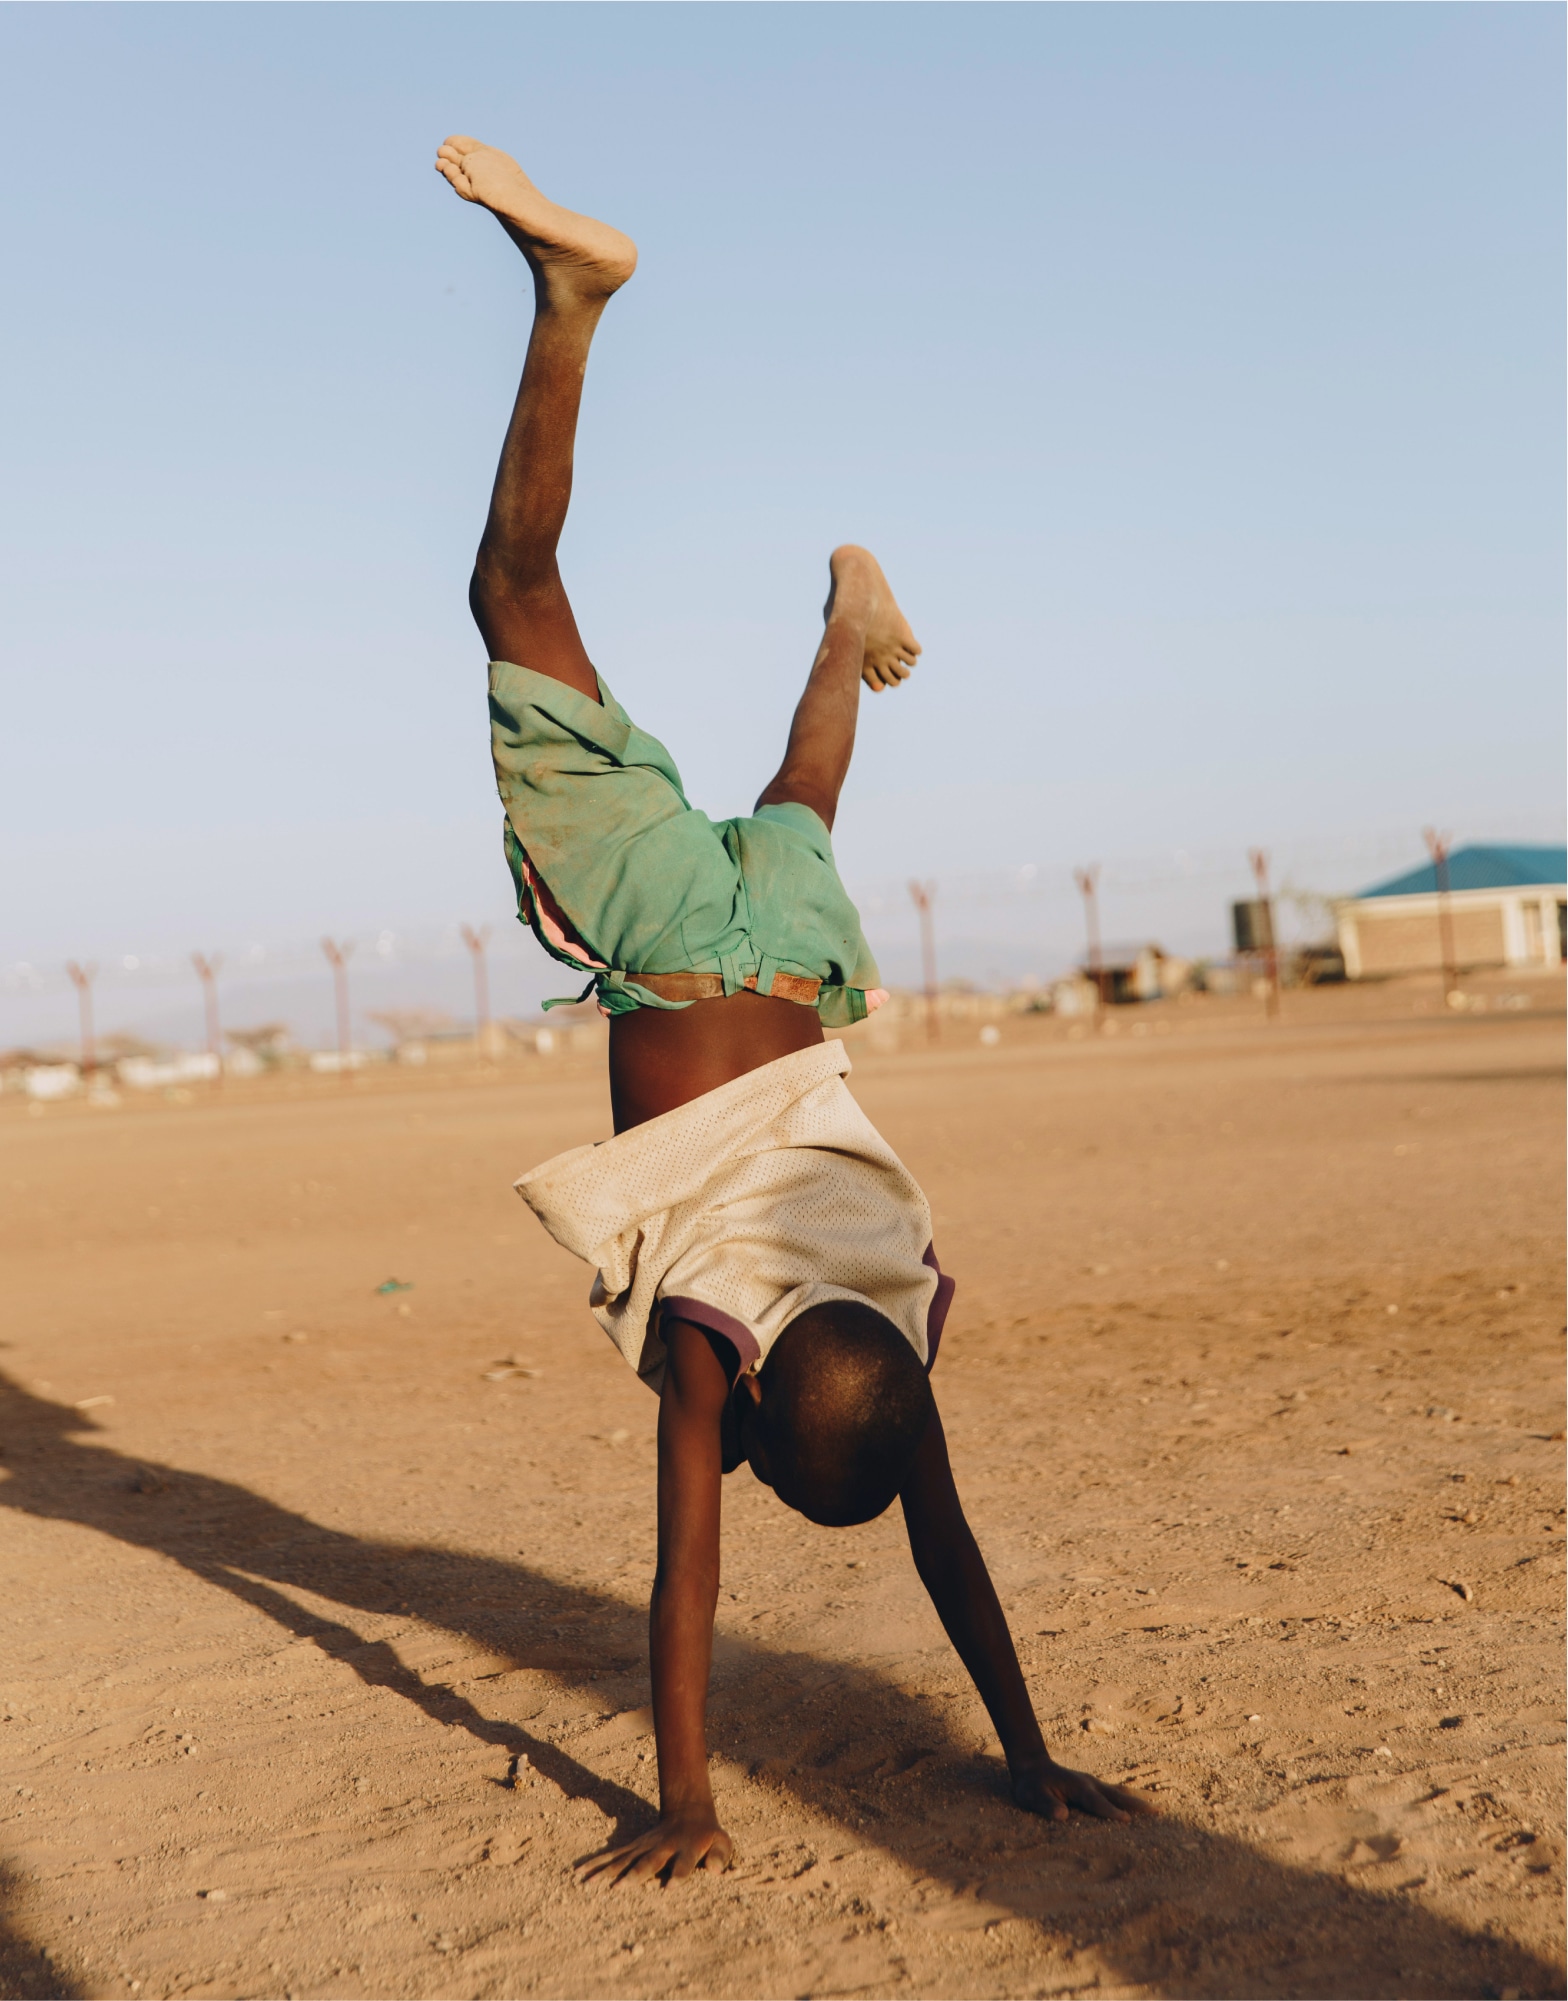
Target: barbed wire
{"points": [[1311, 871], [1335, 861], [384, 948]]}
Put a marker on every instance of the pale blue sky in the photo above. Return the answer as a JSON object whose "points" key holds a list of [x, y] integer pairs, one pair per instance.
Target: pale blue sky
{"points": [[1197, 372]]}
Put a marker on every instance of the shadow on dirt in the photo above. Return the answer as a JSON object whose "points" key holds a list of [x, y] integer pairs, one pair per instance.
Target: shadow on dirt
{"points": [[1165, 1905], [27, 1973]]}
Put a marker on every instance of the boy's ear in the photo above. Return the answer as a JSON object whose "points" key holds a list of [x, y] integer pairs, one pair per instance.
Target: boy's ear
{"points": [[732, 1443], [731, 1451], [747, 1405]]}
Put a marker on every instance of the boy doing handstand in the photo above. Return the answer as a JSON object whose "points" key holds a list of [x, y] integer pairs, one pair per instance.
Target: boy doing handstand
{"points": [[764, 1259]]}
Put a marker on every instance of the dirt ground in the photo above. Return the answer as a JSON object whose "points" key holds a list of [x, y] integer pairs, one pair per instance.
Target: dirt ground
{"points": [[323, 1606]]}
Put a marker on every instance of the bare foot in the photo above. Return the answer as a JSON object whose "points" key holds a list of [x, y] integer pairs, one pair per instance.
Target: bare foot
{"points": [[859, 588], [575, 258]]}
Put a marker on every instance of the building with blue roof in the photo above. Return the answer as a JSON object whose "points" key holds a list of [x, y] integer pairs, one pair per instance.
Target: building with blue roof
{"points": [[1506, 905]]}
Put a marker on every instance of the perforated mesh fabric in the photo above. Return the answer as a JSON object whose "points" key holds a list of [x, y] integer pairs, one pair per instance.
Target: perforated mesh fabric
{"points": [[771, 1194]]}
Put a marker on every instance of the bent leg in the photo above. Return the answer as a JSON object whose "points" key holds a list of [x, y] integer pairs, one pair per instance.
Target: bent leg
{"points": [[865, 637], [516, 594]]}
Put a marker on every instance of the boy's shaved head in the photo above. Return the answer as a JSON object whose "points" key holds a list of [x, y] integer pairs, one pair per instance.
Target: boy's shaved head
{"points": [[842, 1402]]}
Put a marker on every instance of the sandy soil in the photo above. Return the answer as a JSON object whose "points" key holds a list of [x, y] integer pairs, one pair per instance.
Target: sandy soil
{"points": [[1254, 1394]]}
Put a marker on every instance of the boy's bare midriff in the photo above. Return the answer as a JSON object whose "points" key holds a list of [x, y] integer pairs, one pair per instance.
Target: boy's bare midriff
{"points": [[660, 1060]]}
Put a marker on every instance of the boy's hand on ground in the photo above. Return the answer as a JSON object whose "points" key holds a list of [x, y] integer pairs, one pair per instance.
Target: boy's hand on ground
{"points": [[1042, 1786], [681, 1843]]}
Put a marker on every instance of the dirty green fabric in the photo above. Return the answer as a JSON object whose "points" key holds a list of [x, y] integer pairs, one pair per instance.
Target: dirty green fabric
{"points": [[598, 826]]}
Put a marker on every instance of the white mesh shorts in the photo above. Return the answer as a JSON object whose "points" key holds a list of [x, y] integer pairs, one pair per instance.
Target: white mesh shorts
{"points": [[739, 1210]]}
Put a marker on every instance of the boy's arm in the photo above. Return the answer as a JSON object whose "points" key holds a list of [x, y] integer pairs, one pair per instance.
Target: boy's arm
{"points": [[954, 1573], [685, 1591]]}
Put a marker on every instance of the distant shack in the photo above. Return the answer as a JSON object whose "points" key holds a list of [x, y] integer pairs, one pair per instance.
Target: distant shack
{"points": [[1125, 974], [1507, 906]]}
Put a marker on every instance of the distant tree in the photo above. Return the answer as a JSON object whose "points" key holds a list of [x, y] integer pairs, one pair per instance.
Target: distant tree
{"points": [[113, 1047], [270, 1043], [409, 1024], [1314, 912]]}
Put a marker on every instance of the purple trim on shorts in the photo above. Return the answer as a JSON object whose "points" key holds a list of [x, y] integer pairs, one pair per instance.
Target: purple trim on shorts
{"points": [[936, 1313], [701, 1314], [745, 1344]]}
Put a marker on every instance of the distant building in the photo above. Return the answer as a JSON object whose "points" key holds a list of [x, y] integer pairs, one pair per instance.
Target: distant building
{"points": [[1127, 973], [176, 1067], [1507, 907], [40, 1073], [52, 1080]]}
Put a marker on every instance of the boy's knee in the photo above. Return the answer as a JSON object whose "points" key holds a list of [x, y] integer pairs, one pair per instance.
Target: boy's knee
{"points": [[483, 599], [789, 790], [512, 582]]}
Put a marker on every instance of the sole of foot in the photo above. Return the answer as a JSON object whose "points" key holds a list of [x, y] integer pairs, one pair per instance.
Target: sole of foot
{"points": [[572, 253], [891, 648]]}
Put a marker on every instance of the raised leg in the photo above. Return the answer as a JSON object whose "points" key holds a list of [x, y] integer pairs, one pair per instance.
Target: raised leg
{"points": [[865, 637], [516, 594]]}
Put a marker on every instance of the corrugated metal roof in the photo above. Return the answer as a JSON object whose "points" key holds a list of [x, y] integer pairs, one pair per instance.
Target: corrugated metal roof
{"points": [[1481, 868]]}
